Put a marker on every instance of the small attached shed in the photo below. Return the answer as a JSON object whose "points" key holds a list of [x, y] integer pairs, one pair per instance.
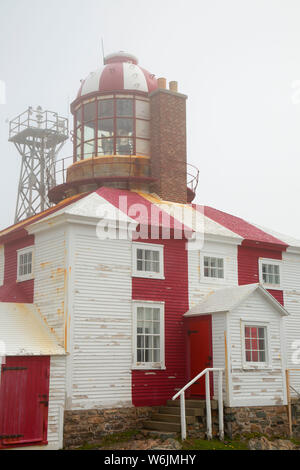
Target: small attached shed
{"points": [[240, 329], [30, 414]]}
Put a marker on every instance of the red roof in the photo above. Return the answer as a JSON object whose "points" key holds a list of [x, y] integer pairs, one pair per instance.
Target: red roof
{"points": [[153, 215], [249, 232]]}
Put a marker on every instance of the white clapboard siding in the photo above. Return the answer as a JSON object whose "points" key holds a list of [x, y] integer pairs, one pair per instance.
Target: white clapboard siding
{"points": [[199, 288], [256, 387], [291, 289], [49, 284], [102, 323], [56, 401], [219, 328]]}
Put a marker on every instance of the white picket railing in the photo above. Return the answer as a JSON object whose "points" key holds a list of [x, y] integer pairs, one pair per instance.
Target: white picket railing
{"points": [[181, 394]]}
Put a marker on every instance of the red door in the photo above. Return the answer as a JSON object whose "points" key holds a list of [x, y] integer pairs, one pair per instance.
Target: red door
{"points": [[200, 352], [24, 395]]}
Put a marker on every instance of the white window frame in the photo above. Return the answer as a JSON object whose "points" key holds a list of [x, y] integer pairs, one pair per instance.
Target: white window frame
{"points": [[148, 365], [256, 365], [2, 264], [148, 274], [272, 262], [26, 277], [214, 280]]}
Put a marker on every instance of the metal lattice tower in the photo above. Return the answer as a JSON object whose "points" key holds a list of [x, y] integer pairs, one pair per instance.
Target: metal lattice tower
{"points": [[39, 136]]}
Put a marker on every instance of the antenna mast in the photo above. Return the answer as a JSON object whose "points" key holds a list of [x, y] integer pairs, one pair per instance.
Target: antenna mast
{"points": [[103, 54], [38, 136]]}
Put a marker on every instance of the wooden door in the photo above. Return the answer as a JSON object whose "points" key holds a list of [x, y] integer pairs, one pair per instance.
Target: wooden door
{"points": [[200, 351], [24, 395]]}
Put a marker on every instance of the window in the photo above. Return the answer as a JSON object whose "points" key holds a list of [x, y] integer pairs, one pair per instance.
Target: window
{"points": [[255, 344], [270, 272], [213, 267], [25, 264], [114, 125], [1, 265], [148, 260], [148, 335]]}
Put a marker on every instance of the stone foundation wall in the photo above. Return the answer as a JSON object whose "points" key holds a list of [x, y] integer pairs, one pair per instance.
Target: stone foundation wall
{"points": [[269, 420], [81, 426]]}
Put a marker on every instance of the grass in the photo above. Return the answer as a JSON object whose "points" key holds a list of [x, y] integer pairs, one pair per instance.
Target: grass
{"points": [[201, 444], [111, 439], [239, 443]]}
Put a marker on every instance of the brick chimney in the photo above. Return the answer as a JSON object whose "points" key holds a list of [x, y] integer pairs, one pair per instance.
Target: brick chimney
{"points": [[168, 142]]}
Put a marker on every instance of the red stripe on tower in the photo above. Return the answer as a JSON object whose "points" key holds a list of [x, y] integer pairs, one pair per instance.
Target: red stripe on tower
{"points": [[112, 78]]}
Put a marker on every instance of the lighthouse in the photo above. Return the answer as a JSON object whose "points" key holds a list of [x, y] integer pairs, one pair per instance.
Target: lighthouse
{"points": [[129, 133]]}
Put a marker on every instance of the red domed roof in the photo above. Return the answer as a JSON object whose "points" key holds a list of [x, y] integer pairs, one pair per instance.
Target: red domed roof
{"points": [[120, 72]]}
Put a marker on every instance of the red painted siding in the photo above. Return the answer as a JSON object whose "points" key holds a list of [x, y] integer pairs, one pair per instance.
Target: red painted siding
{"points": [[24, 395], [12, 291], [157, 388], [248, 266]]}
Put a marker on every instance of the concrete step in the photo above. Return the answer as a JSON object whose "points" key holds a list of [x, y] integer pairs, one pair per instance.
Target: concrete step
{"points": [[158, 434], [193, 404], [162, 426], [175, 410], [172, 418]]}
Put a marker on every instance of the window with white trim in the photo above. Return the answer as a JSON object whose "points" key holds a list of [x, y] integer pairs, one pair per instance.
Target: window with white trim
{"points": [[148, 260], [148, 342], [270, 272], [255, 344], [213, 267], [25, 264], [2, 261]]}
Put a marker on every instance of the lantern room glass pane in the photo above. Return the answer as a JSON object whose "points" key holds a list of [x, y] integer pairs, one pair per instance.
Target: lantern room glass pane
{"points": [[79, 135], [105, 146], [143, 129], [89, 131], [142, 109], [105, 128], [78, 152], [124, 127], [89, 113], [79, 116], [125, 146], [124, 107], [89, 149], [142, 147], [105, 108]]}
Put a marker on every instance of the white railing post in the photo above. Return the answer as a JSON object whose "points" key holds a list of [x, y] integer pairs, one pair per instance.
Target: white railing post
{"points": [[208, 403], [220, 406], [208, 407], [182, 417]]}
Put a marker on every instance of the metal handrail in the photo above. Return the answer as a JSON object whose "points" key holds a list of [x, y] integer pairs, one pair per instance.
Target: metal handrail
{"points": [[181, 394]]}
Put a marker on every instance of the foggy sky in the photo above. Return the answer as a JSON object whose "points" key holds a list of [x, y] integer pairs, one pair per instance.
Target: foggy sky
{"points": [[237, 60]]}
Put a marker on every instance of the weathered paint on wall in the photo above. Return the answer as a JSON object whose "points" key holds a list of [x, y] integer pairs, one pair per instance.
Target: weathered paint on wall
{"points": [[57, 395], [13, 291], [200, 287], [248, 266], [256, 386], [50, 280], [155, 387], [291, 286], [102, 321]]}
